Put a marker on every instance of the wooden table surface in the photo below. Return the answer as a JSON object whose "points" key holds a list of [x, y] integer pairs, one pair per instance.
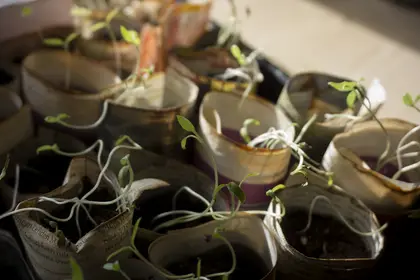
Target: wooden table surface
{"points": [[350, 38]]}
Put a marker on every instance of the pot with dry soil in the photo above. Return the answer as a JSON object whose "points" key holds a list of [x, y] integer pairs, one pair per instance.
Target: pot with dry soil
{"points": [[315, 242]]}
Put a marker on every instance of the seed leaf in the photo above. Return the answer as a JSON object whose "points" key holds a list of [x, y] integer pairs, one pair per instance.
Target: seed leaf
{"points": [[186, 124], [408, 100], [343, 86], [184, 143], [236, 190], [77, 273], [80, 11], [71, 37], [237, 53], [130, 36], [58, 118], [111, 15], [54, 42], [272, 192], [125, 160], [351, 98], [97, 26], [26, 11], [330, 180], [45, 148], [115, 266], [121, 140]]}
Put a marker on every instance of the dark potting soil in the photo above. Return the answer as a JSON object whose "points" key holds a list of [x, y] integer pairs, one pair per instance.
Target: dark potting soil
{"points": [[327, 237], [147, 209], [99, 214], [249, 266], [387, 170], [42, 173], [5, 77]]}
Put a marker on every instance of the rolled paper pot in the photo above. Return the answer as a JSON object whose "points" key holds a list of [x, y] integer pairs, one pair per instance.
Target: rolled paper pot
{"points": [[346, 157], [241, 231], [308, 93], [149, 117], [234, 159], [294, 264], [43, 82]]}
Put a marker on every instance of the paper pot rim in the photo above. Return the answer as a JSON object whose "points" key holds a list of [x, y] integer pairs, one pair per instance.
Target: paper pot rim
{"points": [[100, 95], [339, 191], [244, 147]]}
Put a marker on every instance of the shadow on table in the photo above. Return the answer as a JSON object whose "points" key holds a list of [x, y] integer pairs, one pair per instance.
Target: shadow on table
{"points": [[398, 22]]}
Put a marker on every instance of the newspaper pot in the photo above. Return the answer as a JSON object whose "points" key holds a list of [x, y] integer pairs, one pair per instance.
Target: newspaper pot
{"points": [[45, 14], [149, 117], [184, 22], [255, 249], [15, 120], [99, 46], [40, 173], [43, 75], [234, 159], [328, 249], [50, 254], [352, 156], [150, 165], [308, 93], [203, 68]]}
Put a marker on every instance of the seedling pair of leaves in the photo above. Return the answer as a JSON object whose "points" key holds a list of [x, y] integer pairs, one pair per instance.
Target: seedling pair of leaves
{"points": [[411, 101], [351, 88]]}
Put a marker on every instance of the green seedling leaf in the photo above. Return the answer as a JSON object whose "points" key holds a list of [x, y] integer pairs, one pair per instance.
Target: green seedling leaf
{"points": [[58, 118], [237, 53], [351, 99], [273, 191], [110, 16], [330, 180], [80, 11], [408, 100], [343, 86], [97, 26], [115, 266], [77, 273], [54, 42], [417, 98], [125, 160], [26, 11], [70, 38], [186, 124], [45, 148], [130, 36], [121, 140], [184, 143], [236, 190]]}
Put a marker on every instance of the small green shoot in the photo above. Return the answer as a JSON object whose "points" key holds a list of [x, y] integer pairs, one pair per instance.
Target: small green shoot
{"points": [[130, 36], [45, 148], [244, 129], [58, 119], [26, 11], [77, 11], [77, 273], [115, 266], [238, 55], [411, 102]]}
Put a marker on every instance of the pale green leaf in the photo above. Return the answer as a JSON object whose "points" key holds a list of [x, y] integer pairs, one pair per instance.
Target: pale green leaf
{"points": [[111, 15], [54, 42], [115, 266], [186, 124], [125, 34], [71, 37], [121, 140], [343, 86], [351, 99], [408, 100], [273, 191], [26, 11], [98, 26], [58, 118], [77, 273], [125, 160], [417, 98], [330, 180], [237, 191], [236, 51], [80, 11], [184, 143], [45, 148]]}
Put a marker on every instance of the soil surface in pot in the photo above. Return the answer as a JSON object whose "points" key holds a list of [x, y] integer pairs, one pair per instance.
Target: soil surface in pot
{"points": [[5, 77], [387, 170], [42, 173], [249, 266], [147, 209], [99, 214], [327, 237]]}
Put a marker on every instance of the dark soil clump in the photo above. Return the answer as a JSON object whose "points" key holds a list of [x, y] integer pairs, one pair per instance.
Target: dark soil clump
{"points": [[326, 238], [249, 265]]}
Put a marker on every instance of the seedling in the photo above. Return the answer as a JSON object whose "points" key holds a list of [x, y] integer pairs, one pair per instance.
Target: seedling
{"points": [[411, 102], [65, 44], [245, 71], [107, 24], [115, 266], [355, 92]]}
